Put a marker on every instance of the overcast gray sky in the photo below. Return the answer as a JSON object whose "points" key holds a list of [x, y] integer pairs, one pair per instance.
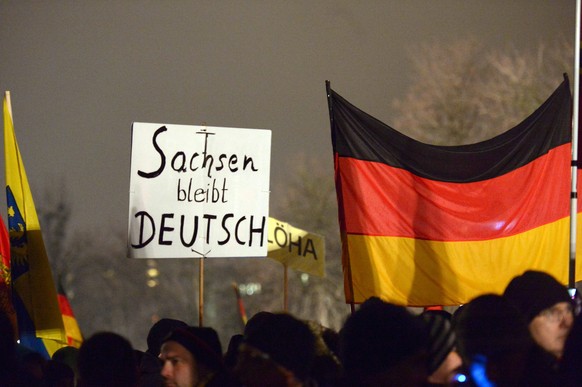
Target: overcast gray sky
{"points": [[80, 72]]}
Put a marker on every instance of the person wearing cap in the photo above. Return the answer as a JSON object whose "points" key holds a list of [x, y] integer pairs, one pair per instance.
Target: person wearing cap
{"points": [[192, 357], [159, 331], [277, 350], [494, 342], [106, 359], [443, 359], [383, 344], [547, 307]]}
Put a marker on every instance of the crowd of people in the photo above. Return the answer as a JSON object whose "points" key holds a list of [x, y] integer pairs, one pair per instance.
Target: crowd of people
{"points": [[527, 336]]}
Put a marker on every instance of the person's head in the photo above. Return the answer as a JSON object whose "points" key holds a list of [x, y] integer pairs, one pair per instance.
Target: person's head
{"points": [[570, 363], [493, 340], [34, 364], [159, 331], [232, 351], [106, 359], [443, 360], [277, 350], [57, 374], [67, 355], [7, 341], [326, 369], [384, 344], [190, 356], [547, 307]]}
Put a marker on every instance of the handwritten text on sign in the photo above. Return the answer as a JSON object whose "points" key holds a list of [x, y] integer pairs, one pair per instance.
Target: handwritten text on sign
{"points": [[198, 191]]}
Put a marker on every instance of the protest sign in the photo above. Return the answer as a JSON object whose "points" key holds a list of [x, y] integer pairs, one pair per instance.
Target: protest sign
{"points": [[198, 191], [295, 248]]}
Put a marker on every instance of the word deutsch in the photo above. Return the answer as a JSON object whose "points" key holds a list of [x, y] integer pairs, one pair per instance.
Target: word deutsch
{"points": [[242, 231]]}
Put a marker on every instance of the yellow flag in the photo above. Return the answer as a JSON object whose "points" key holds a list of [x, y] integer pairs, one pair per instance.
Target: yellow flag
{"points": [[296, 248], [40, 325]]}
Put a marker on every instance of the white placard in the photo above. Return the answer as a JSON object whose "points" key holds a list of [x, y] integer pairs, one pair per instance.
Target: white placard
{"points": [[198, 191]]}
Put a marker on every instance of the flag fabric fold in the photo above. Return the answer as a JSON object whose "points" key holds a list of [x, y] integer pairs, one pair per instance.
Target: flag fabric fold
{"points": [[6, 305], [40, 325], [438, 225]]}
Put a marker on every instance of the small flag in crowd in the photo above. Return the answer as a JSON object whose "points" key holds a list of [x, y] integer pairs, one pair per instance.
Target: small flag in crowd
{"points": [[74, 337]]}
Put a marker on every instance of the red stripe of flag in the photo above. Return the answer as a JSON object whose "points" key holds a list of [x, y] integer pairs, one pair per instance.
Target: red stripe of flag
{"points": [[65, 306], [388, 201]]}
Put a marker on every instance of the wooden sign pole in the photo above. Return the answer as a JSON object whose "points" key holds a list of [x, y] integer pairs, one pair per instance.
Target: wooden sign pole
{"points": [[201, 292]]}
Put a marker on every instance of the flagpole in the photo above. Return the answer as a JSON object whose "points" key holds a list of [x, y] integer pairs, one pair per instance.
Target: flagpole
{"points": [[285, 288], [347, 264], [9, 104], [575, 125]]}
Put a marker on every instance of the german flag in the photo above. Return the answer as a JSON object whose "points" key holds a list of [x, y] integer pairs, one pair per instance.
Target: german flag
{"points": [[74, 337], [439, 225]]}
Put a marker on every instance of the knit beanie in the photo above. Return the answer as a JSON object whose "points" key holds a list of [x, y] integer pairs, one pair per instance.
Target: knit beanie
{"points": [[286, 339], [202, 342], [378, 336], [159, 331], [534, 291], [441, 339], [489, 325]]}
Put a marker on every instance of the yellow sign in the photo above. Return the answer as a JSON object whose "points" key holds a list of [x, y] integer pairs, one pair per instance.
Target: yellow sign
{"points": [[295, 248]]}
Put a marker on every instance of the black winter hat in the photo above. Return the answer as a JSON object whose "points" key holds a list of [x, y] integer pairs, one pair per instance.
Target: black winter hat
{"points": [[378, 336], [159, 331], [202, 342], [286, 339], [490, 325], [441, 339], [534, 291]]}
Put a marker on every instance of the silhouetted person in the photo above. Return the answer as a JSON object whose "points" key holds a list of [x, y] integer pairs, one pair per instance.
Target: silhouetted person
{"points": [[230, 357], [571, 365], [69, 356], [326, 369], [57, 374], [496, 347], [12, 372], [107, 359], [149, 368], [382, 344], [33, 363], [277, 350]]}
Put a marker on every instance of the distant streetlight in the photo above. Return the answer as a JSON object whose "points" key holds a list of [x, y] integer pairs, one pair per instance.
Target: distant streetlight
{"points": [[250, 288], [152, 274]]}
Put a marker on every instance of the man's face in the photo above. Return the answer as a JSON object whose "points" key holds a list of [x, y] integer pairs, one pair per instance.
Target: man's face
{"points": [[179, 368], [447, 370], [550, 328]]}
